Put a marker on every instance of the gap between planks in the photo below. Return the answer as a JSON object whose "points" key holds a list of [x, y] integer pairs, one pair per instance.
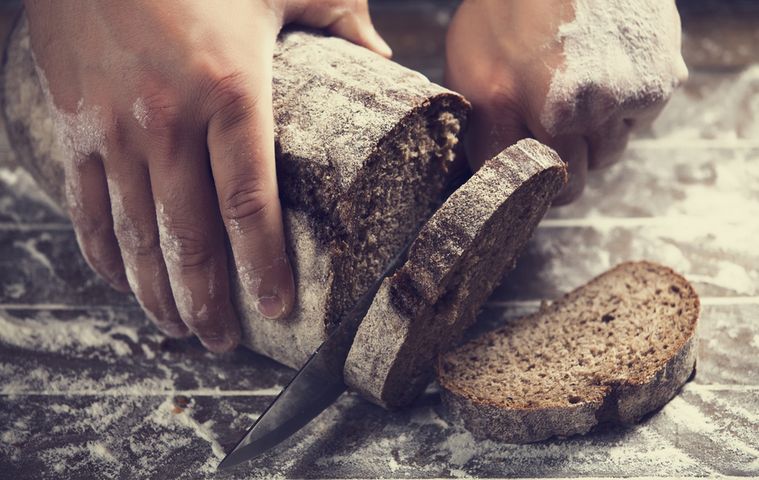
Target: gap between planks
{"points": [[691, 144], [274, 391], [532, 303], [116, 392], [705, 301], [599, 222]]}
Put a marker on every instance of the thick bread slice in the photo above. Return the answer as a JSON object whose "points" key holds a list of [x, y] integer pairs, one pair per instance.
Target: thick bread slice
{"points": [[454, 264], [363, 148], [611, 351]]}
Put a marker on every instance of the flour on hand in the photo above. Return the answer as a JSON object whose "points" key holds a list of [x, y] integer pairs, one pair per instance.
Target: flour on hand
{"points": [[626, 52]]}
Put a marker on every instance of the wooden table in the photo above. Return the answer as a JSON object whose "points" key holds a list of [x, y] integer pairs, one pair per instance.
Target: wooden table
{"points": [[89, 389]]}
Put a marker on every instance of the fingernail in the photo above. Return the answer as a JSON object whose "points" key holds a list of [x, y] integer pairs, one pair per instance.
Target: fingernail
{"points": [[119, 282], [382, 47], [276, 290], [176, 331], [271, 307], [219, 344]]}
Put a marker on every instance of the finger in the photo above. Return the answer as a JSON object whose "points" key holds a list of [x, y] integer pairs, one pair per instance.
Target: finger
{"points": [[573, 150], [192, 240], [348, 19], [137, 233], [607, 143], [241, 144], [490, 131], [89, 210]]}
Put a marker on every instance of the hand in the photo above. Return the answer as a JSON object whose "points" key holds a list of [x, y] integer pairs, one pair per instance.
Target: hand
{"points": [[575, 75], [164, 110]]}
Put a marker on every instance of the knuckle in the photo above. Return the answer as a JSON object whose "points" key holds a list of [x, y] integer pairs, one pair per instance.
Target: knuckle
{"points": [[185, 246], [135, 241], [244, 200], [158, 111], [230, 97], [90, 228], [594, 99], [202, 323]]}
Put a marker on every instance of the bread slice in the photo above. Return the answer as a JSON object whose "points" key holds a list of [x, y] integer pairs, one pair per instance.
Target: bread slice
{"points": [[454, 264], [364, 148], [611, 351]]}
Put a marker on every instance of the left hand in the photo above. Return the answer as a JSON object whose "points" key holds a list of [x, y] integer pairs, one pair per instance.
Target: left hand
{"points": [[577, 75]]}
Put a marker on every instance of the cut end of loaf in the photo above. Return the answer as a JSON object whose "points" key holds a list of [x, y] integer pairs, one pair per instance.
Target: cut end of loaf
{"points": [[460, 255], [610, 351], [399, 188]]}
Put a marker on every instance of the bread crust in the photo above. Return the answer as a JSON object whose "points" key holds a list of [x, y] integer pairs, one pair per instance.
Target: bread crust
{"points": [[436, 294], [621, 403]]}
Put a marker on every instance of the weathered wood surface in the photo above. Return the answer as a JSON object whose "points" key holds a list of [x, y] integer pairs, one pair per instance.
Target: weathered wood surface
{"points": [[102, 405]]}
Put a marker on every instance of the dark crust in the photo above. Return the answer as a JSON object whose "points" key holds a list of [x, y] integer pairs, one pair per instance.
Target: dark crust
{"points": [[424, 278], [622, 403], [401, 388], [451, 269]]}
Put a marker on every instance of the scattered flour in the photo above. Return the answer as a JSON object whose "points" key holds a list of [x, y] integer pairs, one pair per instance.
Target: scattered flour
{"points": [[30, 246], [165, 415], [689, 417], [626, 51], [100, 451], [722, 113], [21, 183], [729, 276], [44, 333]]}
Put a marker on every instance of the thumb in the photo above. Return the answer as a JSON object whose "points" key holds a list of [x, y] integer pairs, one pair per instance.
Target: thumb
{"points": [[347, 19], [357, 26]]}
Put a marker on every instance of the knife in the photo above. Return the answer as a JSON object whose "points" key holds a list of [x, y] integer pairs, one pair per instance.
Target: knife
{"points": [[316, 385]]}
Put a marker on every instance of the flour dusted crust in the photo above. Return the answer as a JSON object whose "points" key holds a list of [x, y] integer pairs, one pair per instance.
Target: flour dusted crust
{"points": [[363, 147], [454, 264], [641, 367]]}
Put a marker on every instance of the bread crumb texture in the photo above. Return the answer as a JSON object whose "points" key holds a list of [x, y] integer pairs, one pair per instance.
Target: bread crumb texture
{"points": [[609, 352], [455, 262]]}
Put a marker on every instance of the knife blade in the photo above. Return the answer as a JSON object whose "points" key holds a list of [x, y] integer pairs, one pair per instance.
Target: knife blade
{"points": [[320, 381], [316, 385]]}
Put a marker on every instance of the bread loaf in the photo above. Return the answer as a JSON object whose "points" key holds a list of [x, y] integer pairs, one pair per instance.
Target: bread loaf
{"points": [[611, 351], [459, 257], [363, 147]]}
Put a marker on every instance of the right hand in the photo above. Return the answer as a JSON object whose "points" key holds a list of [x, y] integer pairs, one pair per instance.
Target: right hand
{"points": [[165, 111], [575, 75]]}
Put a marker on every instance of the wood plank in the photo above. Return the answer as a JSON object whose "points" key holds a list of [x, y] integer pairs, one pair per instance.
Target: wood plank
{"points": [[118, 352], [710, 184], [45, 266], [21, 200], [719, 258], [72, 436]]}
